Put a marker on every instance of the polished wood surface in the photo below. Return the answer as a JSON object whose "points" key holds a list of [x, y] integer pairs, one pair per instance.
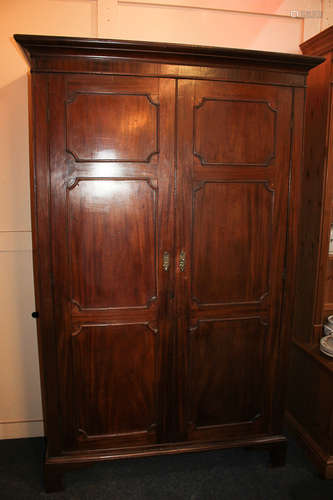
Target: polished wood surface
{"points": [[97, 123], [115, 393], [166, 224], [237, 272], [240, 145], [310, 402], [233, 221], [214, 347], [121, 215], [110, 288], [38, 46]]}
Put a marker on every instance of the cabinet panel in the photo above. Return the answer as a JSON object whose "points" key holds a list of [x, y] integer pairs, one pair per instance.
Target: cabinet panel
{"points": [[308, 397], [115, 393], [228, 389], [97, 123], [231, 261], [248, 129], [113, 240]]}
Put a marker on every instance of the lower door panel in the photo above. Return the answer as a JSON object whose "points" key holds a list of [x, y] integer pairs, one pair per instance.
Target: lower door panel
{"points": [[226, 373], [115, 373]]}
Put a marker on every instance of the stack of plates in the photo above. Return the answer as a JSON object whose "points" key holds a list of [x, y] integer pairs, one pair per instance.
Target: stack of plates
{"points": [[326, 345], [328, 326]]}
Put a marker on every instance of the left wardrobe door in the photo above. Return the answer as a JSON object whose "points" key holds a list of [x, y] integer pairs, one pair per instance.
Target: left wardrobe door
{"points": [[111, 161]]}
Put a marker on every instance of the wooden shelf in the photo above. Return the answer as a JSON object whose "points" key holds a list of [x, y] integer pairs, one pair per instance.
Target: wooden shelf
{"points": [[325, 360], [315, 353]]}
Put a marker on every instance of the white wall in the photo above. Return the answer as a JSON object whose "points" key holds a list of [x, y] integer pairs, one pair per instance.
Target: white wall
{"points": [[257, 24], [260, 24], [20, 403]]}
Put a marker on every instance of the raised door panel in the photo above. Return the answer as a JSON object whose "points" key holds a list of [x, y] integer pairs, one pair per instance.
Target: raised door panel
{"points": [[227, 389], [243, 141], [121, 216], [111, 174], [97, 123], [234, 145], [115, 376], [231, 263]]}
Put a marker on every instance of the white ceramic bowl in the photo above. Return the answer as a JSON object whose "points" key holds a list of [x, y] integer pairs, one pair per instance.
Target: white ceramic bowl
{"points": [[330, 320], [328, 329]]}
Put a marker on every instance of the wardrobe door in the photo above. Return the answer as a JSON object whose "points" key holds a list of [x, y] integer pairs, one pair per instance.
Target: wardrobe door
{"points": [[233, 172], [112, 216]]}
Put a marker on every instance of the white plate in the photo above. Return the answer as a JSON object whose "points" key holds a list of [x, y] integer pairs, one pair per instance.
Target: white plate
{"points": [[329, 354], [326, 345], [322, 348]]}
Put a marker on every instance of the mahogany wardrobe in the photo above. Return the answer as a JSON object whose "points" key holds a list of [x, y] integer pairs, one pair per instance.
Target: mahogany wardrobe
{"points": [[166, 183]]}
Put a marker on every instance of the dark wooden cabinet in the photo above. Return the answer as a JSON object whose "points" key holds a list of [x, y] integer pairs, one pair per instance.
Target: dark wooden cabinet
{"points": [[166, 186], [310, 399]]}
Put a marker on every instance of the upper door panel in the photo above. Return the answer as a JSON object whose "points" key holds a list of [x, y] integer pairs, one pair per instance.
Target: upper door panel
{"points": [[120, 215], [230, 264], [97, 123], [229, 131]]}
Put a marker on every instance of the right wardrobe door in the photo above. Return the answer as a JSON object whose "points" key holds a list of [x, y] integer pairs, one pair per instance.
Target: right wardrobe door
{"points": [[234, 145]]}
